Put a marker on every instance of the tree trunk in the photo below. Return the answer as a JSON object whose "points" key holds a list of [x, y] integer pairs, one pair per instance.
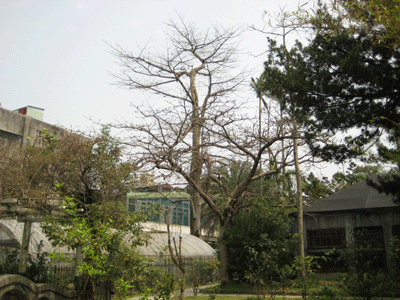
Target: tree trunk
{"points": [[196, 160], [195, 214], [195, 173], [224, 258]]}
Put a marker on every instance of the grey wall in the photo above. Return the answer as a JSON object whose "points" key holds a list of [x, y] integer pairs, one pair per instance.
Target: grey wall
{"points": [[15, 127], [378, 217]]}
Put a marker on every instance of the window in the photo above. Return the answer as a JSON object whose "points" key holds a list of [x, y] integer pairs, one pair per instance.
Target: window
{"points": [[369, 248], [179, 211], [10, 136], [369, 236], [326, 238], [329, 263], [396, 231], [131, 205]]}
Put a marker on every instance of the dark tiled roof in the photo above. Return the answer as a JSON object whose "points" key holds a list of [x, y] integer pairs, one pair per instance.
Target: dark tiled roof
{"points": [[358, 196]]}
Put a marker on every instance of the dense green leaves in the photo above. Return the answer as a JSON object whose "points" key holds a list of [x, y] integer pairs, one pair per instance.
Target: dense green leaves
{"points": [[315, 189], [339, 81], [260, 230], [345, 82]]}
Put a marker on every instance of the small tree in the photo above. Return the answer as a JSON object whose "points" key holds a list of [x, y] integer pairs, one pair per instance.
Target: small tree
{"points": [[80, 183], [365, 277], [93, 178]]}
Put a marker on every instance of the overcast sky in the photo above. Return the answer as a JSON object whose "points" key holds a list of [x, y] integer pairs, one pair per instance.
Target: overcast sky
{"points": [[54, 55]]}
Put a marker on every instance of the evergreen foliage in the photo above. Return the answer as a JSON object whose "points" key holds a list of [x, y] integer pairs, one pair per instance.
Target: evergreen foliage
{"points": [[263, 230], [345, 80]]}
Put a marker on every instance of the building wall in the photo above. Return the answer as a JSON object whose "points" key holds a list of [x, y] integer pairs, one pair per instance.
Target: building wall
{"points": [[34, 112], [385, 218], [15, 127]]}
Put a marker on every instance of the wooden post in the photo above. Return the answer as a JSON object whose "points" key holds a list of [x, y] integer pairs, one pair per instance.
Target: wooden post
{"points": [[25, 247]]}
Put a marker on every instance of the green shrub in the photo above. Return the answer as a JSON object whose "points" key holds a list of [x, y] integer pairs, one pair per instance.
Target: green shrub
{"points": [[262, 230], [395, 253], [165, 286], [367, 285], [38, 266], [10, 264], [326, 293], [201, 272]]}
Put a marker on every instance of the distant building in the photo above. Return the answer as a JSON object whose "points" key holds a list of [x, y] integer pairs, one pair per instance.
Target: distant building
{"points": [[351, 217], [174, 205], [24, 123], [31, 111]]}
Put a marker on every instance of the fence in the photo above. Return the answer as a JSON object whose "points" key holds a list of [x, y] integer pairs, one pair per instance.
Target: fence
{"points": [[199, 270]]}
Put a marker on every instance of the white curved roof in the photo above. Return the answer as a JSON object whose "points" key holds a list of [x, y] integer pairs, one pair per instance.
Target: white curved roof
{"points": [[12, 231], [191, 245]]}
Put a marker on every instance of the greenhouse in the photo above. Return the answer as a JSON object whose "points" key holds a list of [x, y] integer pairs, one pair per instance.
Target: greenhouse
{"points": [[11, 233]]}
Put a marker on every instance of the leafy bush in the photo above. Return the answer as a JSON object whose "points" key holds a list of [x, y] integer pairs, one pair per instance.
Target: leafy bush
{"points": [[38, 266], [370, 285], [10, 263], [201, 272], [263, 230], [395, 253], [326, 293], [165, 286], [367, 277]]}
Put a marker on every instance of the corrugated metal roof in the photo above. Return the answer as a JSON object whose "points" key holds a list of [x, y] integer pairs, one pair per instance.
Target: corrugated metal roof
{"points": [[358, 196]]}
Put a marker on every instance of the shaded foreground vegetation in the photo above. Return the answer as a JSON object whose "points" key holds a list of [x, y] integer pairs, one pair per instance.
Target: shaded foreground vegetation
{"points": [[344, 286]]}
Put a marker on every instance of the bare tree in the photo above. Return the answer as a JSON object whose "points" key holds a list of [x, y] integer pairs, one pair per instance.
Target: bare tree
{"points": [[229, 138], [199, 130], [196, 71]]}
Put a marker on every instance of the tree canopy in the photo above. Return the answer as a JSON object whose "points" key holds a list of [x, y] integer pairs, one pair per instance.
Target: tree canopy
{"points": [[338, 83], [197, 70], [79, 184], [345, 81]]}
